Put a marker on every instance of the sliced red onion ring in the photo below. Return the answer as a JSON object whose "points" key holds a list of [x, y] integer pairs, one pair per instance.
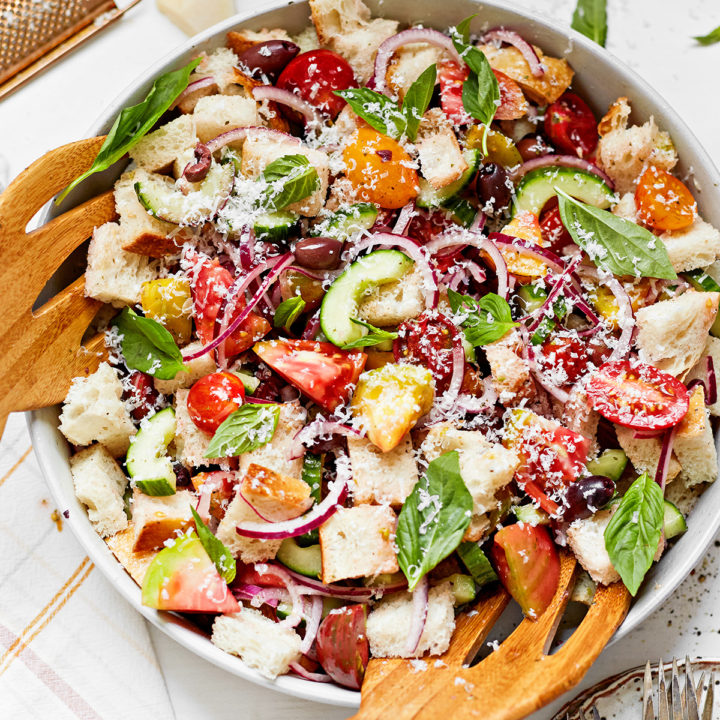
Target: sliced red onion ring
{"points": [[478, 222], [412, 35], [419, 616], [404, 218], [501, 35], [529, 357], [312, 328], [448, 398], [239, 134], [348, 591], [285, 97], [192, 87], [569, 161], [253, 508], [298, 669], [646, 434], [319, 428], [665, 456], [295, 616], [475, 405], [258, 595], [709, 385], [312, 623], [298, 526]]}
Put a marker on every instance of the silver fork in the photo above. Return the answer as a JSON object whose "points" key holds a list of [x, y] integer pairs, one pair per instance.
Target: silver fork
{"points": [[684, 703]]}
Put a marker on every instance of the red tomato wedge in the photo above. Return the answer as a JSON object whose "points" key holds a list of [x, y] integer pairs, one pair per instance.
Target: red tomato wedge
{"points": [[212, 398], [664, 202], [513, 104], [248, 575], [554, 232], [451, 77], [319, 370], [637, 395], [342, 645], [571, 125], [528, 565]]}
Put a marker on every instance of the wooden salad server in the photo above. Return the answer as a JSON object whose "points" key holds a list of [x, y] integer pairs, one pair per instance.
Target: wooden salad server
{"points": [[515, 680]]}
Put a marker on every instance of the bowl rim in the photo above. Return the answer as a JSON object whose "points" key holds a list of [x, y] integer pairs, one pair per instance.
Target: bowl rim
{"points": [[43, 429]]}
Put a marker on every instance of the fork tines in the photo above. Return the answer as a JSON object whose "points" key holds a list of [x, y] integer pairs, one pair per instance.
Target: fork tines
{"points": [[681, 701]]}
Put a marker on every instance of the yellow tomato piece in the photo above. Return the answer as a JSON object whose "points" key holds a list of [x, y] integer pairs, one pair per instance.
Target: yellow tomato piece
{"points": [[390, 400], [500, 148], [606, 304], [524, 225], [168, 301]]}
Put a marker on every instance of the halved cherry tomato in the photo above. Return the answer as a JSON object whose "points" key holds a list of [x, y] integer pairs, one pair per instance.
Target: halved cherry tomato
{"points": [[321, 371], [379, 169], [569, 353], [571, 125], [451, 77], [342, 645], [513, 104], [528, 565], [315, 76], [664, 202], [637, 395], [554, 232], [213, 398], [263, 577]]}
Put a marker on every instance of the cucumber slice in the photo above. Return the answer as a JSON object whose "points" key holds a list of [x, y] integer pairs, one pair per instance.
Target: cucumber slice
{"points": [[160, 196], [674, 522], [430, 197], [330, 604], [250, 382], [347, 221], [304, 560], [584, 590], [462, 212], [531, 298], [463, 587], [530, 515], [340, 303], [538, 186], [147, 461], [610, 464], [477, 563], [274, 227], [701, 281]]}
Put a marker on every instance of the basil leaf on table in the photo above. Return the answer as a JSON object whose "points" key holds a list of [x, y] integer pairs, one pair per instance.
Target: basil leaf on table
{"points": [[433, 519], [147, 346], [219, 554], [633, 533], [289, 179], [614, 243], [590, 19], [134, 122], [711, 38], [288, 311], [375, 336], [484, 321], [417, 99], [248, 428]]}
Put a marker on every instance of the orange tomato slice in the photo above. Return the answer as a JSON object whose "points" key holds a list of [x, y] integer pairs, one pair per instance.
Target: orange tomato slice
{"points": [[664, 202]]}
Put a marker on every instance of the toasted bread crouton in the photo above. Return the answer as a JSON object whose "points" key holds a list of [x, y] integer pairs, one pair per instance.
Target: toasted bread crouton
{"points": [[672, 333], [389, 623], [586, 539], [241, 40], [268, 111], [394, 302], [382, 478], [93, 411], [358, 542], [699, 371], [157, 519], [200, 367], [113, 274], [218, 64], [695, 443], [136, 563], [578, 415], [441, 160], [217, 114], [276, 497], [644, 453], [99, 485], [408, 63], [191, 443], [158, 149], [248, 550], [510, 372], [307, 40], [264, 645], [259, 151], [544, 89], [626, 208], [333, 17], [624, 152]]}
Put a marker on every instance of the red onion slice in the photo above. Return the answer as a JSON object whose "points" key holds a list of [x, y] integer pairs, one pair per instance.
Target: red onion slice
{"points": [[319, 428], [478, 222], [295, 616], [419, 616], [312, 328], [241, 133], [568, 161], [312, 623], [192, 87], [646, 434], [501, 35], [253, 508], [404, 218], [665, 456], [298, 669], [355, 593], [475, 405], [285, 97], [709, 385], [257, 595], [529, 356]]}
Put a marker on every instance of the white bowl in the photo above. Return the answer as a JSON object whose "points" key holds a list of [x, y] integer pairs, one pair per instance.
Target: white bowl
{"points": [[600, 79]]}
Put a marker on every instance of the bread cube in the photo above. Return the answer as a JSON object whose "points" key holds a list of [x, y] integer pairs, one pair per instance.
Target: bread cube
{"points": [[264, 645], [408, 63], [158, 149], [276, 497], [578, 415], [394, 302], [307, 39], [99, 484], [644, 453], [136, 563], [511, 376], [93, 411], [695, 443], [358, 542], [389, 623], [441, 160], [712, 348], [586, 539], [217, 114], [198, 368], [191, 442], [157, 519]]}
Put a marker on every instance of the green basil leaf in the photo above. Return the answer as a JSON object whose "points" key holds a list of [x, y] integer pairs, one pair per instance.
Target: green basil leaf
{"points": [[633, 533], [590, 19], [155, 488], [134, 122], [312, 474], [219, 554], [289, 179], [376, 109], [288, 311], [484, 321], [147, 346], [433, 519], [614, 243], [248, 428], [711, 38], [374, 337], [417, 99]]}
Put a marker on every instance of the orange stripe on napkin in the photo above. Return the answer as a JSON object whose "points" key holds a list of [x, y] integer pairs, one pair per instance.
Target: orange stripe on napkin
{"points": [[22, 459]]}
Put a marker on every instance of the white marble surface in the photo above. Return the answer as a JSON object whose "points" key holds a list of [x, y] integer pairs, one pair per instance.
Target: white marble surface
{"points": [[653, 36]]}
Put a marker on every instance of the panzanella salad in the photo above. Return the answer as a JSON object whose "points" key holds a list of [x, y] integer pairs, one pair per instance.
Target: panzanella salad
{"points": [[393, 317]]}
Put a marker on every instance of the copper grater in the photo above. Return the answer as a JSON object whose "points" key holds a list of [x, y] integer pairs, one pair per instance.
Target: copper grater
{"points": [[34, 34]]}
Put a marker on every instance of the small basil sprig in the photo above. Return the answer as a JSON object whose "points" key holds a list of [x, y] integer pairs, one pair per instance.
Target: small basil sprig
{"points": [[387, 116], [485, 320], [590, 19], [614, 243], [433, 519], [711, 38], [633, 533], [288, 179], [248, 428], [134, 122], [219, 554], [147, 346], [375, 336], [288, 312]]}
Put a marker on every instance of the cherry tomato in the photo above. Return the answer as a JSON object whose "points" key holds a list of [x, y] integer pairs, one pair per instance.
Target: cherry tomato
{"points": [[571, 125], [428, 340], [212, 398], [265, 577], [342, 645], [664, 202], [141, 394], [451, 76], [321, 371], [569, 353], [379, 169], [554, 233], [513, 104], [528, 565], [315, 76], [427, 225], [637, 395]]}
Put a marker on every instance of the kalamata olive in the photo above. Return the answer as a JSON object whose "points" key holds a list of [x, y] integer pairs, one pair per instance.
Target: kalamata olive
{"points": [[532, 146], [318, 253], [586, 495], [269, 58], [182, 475], [197, 169], [493, 187]]}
